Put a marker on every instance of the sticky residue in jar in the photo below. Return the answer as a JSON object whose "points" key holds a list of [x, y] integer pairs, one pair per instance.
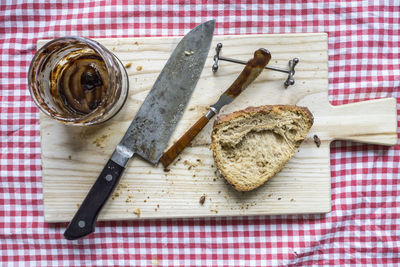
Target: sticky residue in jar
{"points": [[81, 82]]}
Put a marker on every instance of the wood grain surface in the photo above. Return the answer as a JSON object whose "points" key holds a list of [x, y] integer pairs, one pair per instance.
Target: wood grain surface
{"points": [[73, 157]]}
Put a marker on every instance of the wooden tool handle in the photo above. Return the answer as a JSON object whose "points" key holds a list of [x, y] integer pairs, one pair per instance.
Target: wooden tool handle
{"points": [[250, 72], [183, 142]]}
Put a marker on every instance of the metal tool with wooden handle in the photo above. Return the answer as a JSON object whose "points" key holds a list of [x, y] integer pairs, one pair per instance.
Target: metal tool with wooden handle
{"points": [[150, 130], [250, 72]]}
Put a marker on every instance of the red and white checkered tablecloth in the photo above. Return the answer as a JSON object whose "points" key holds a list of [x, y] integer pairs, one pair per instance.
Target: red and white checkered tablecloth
{"points": [[364, 225]]}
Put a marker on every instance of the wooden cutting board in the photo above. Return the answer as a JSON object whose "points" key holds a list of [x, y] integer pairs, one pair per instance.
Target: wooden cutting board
{"points": [[73, 157]]}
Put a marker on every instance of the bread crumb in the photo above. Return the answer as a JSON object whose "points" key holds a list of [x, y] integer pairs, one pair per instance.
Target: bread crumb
{"points": [[279, 198], [128, 65], [149, 172], [158, 205], [291, 200], [317, 141], [139, 68], [191, 164], [99, 141], [136, 43], [215, 211], [269, 195], [69, 157], [137, 212], [189, 53], [78, 205], [190, 109], [202, 199], [215, 179], [198, 160]]}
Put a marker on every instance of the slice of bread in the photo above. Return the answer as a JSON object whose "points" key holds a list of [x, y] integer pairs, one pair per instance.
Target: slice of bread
{"points": [[252, 145]]}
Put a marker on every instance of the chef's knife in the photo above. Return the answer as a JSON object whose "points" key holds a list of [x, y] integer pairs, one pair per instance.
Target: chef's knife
{"points": [[250, 72], [153, 124]]}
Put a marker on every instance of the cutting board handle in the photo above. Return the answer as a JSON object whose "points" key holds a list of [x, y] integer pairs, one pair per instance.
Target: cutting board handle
{"points": [[372, 121]]}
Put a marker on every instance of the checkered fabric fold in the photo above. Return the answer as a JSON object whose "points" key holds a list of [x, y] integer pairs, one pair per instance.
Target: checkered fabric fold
{"points": [[364, 225]]}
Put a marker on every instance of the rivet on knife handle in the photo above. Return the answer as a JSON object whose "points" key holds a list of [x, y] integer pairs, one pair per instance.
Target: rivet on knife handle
{"points": [[250, 72]]}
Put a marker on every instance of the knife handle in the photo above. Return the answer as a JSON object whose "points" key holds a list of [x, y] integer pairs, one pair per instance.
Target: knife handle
{"points": [[85, 218], [185, 139]]}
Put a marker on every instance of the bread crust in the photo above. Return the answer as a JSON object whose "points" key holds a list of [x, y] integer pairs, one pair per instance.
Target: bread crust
{"points": [[267, 108], [278, 109]]}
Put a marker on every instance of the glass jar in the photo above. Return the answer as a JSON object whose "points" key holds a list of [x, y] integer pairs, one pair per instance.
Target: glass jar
{"points": [[77, 81]]}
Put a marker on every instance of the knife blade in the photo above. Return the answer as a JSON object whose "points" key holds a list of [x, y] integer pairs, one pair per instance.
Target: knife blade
{"points": [[150, 130], [250, 72]]}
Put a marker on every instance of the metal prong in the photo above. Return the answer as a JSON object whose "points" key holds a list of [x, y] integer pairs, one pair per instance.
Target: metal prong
{"points": [[292, 64], [290, 78], [216, 57]]}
